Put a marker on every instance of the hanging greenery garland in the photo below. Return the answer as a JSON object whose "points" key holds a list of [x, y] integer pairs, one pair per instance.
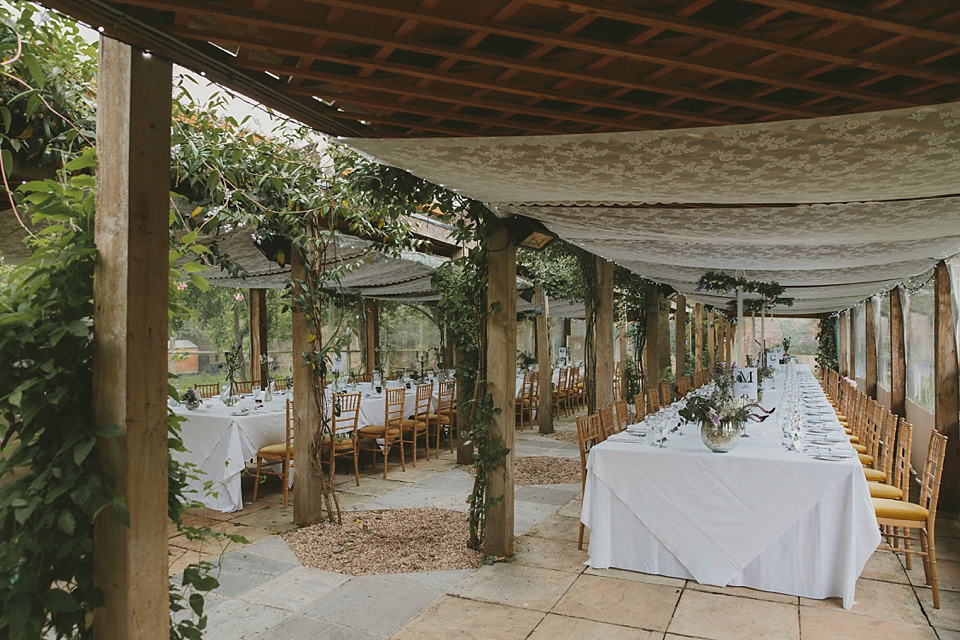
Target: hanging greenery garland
{"points": [[769, 292]]}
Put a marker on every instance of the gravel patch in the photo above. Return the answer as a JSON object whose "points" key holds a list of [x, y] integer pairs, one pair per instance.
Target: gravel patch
{"points": [[397, 541], [563, 436], [546, 470]]}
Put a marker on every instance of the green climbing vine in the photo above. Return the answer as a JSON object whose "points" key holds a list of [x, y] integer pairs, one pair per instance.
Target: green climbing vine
{"points": [[827, 342]]}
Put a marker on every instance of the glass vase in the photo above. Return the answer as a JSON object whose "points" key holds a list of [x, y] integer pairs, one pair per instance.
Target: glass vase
{"points": [[720, 439]]}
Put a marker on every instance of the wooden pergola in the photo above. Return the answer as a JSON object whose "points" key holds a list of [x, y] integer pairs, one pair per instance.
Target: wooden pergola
{"points": [[449, 69]]}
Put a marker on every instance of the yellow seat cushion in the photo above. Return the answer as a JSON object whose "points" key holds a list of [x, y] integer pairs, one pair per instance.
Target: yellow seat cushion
{"points": [[859, 448], [875, 475], [340, 441], [899, 510], [880, 490], [376, 430], [275, 450], [865, 459], [408, 422]]}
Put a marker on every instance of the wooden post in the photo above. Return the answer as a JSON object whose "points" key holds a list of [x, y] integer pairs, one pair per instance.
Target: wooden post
{"points": [[870, 334], [698, 337], [258, 336], [680, 337], [545, 377], [501, 358], [130, 337], [603, 330], [651, 368], [666, 349], [947, 386], [308, 493], [842, 344], [711, 339], [371, 312], [852, 345], [898, 356]]}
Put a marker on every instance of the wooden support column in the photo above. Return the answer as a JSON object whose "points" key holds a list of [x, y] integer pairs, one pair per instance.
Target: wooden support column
{"points": [[680, 337], [947, 385], [711, 340], [898, 356], [501, 358], [666, 349], [371, 312], [603, 330], [651, 367], [870, 334], [852, 345], [545, 377], [697, 341], [258, 336], [130, 337], [308, 493], [842, 344]]}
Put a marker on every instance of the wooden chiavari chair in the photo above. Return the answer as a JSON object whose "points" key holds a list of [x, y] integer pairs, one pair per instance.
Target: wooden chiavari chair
{"points": [[207, 390], [665, 395], [344, 442], [909, 516], [524, 401], [380, 437], [281, 453], [653, 401], [243, 387], [443, 419], [608, 425], [417, 426], [623, 414], [639, 407]]}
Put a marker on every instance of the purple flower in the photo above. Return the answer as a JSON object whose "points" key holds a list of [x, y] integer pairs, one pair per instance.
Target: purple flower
{"points": [[714, 417]]}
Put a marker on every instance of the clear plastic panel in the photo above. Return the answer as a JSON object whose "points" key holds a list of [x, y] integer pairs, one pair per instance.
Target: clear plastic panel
{"points": [[919, 327], [882, 311]]}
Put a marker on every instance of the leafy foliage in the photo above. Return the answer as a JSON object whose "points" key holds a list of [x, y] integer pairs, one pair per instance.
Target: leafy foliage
{"points": [[827, 343], [769, 292]]}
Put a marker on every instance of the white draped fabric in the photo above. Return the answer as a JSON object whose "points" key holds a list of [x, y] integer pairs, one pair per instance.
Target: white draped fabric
{"points": [[846, 204], [760, 516]]}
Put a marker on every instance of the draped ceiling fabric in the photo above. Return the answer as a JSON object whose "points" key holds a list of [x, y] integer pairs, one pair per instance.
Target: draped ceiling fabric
{"points": [[836, 209]]}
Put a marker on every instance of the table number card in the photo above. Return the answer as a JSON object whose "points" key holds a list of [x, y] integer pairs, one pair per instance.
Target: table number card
{"points": [[745, 382], [337, 364], [773, 359]]}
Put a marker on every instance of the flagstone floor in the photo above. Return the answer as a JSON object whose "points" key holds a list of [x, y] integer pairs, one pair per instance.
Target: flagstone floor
{"points": [[544, 593]]}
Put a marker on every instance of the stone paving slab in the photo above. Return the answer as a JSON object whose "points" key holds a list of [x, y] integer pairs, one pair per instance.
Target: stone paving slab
{"points": [[552, 494], [370, 604], [241, 571], [301, 628], [238, 620], [294, 589], [431, 580]]}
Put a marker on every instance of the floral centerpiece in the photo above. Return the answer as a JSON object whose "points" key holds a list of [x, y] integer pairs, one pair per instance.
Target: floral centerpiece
{"points": [[231, 365], [191, 399], [721, 416]]}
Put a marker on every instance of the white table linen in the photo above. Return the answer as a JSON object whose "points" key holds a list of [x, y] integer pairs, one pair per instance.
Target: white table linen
{"points": [[760, 516], [373, 404], [220, 444]]}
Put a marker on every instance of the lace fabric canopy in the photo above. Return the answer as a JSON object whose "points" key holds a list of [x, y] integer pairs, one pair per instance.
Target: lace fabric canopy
{"points": [[835, 209]]}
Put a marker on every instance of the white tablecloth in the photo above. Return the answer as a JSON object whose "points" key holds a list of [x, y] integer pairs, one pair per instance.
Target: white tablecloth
{"points": [[220, 444], [373, 404], [760, 516]]}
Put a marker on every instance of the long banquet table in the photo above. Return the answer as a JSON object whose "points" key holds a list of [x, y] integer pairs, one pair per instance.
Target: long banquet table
{"points": [[761, 516]]}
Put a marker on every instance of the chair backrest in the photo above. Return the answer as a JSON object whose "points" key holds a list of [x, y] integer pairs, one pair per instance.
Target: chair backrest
{"points": [[243, 386], [653, 401], [208, 390], [607, 424], [574, 377], [683, 386], [639, 407], [900, 473], [346, 411], [623, 414], [887, 447], [563, 379], [665, 397], [874, 413], [280, 384], [446, 396], [424, 396], [588, 435], [534, 386], [393, 403], [932, 469], [288, 427]]}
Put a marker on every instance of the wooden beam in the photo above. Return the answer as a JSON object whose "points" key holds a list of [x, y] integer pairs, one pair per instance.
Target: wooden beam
{"points": [[371, 312], [711, 340], [842, 344], [651, 367], [867, 18], [680, 336], [745, 37], [308, 491], [258, 336], [501, 358], [130, 337], [898, 356], [698, 337], [603, 330], [870, 335], [545, 379], [946, 385]]}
